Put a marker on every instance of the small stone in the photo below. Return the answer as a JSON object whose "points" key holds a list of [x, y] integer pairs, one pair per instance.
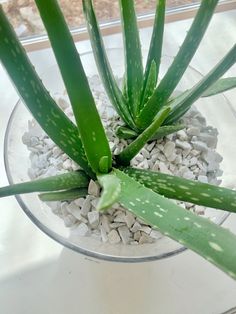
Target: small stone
{"points": [[79, 201], [116, 225], [155, 234], [124, 234], [183, 145], [210, 140], [137, 235], [145, 239], [103, 234], [86, 206], [120, 218], [82, 230], [163, 168], [94, 188], [136, 227], [69, 220], [193, 131], [202, 179], [146, 229], [63, 103], [182, 135], [93, 218], [67, 164], [105, 223], [113, 237], [200, 146], [145, 153], [150, 146], [199, 210], [169, 149], [129, 219], [75, 211]]}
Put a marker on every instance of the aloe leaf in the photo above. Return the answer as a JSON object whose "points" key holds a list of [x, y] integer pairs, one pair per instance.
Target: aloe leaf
{"points": [[86, 115], [117, 99], [68, 195], [111, 190], [126, 133], [133, 148], [214, 243], [166, 130], [155, 49], [150, 84], [180, 63], [133, 55], [183, 104], [35, 96], [186, 190], [65, 181], [220, 86]]}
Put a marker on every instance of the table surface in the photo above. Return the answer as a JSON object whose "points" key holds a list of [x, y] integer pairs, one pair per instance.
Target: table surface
{"points": [[37, 275]]}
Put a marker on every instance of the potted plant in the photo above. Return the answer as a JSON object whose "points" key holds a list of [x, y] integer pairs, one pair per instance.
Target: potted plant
{"points": [[148, 110]]}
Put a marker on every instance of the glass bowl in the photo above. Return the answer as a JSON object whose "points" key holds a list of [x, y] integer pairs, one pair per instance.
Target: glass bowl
{"points": [[218, 113]]}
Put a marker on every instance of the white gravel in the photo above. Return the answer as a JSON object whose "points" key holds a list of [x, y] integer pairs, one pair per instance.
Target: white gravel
{"points": [[189, 153]]}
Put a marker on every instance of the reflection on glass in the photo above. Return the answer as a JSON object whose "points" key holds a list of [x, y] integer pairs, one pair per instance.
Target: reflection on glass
{"points": [[26, 21]]}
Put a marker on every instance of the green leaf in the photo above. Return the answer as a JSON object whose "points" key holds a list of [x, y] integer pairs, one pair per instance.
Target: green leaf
{"points": [[35, 96], [111, 190], [133, 148], [70, 180], [86, 115], [133, 55], [166, 130], [214, 243], [150, 84], [220, 86], [186, 190], [61, 196], [117, 99], [155, 49], [125, 132], [184, 101], [180, 63]]}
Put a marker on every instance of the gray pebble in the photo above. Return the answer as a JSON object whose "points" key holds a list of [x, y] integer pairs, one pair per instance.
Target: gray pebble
{"points": [[113, 237]]}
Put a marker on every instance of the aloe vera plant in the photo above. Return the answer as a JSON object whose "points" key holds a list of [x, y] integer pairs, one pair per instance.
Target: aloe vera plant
{"points": [[147, 110]]}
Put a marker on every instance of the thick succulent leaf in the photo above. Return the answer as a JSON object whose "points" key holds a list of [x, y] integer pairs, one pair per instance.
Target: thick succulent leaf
{"points": [[134, 147], [133, 55], [150, 84], [126, 133], [155, 49], [117, 99], [220, 86], [180, 63], [214, 243], [86, 115], [61, 196], [166, 130], [111, 190], [44, 109], [70, 180], [186, 190], [184, 101]]}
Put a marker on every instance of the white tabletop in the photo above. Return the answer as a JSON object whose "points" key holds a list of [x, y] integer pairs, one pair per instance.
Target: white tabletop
{"points": [[37, 275]]}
